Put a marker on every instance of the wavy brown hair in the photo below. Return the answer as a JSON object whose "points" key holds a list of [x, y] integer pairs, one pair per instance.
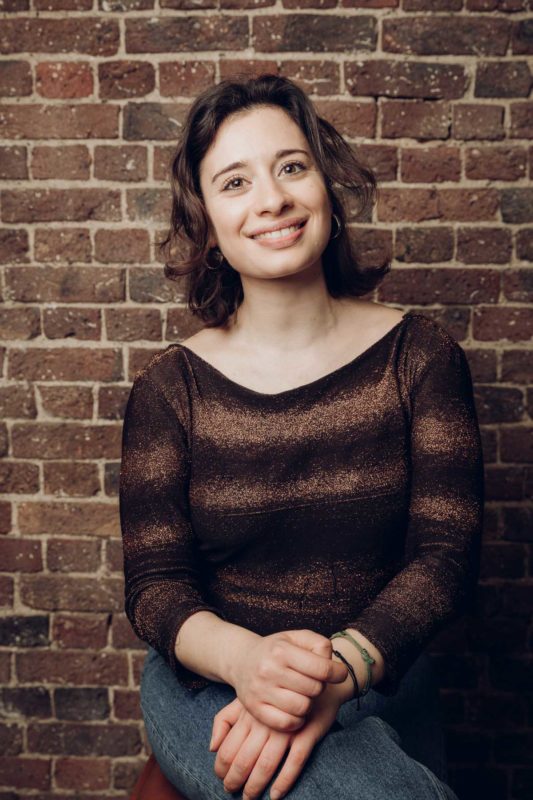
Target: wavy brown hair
{"points": [[214, 294]]}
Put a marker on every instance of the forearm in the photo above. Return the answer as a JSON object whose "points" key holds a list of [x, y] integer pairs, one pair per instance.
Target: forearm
{"points": [[346, 690], [210, 646]]}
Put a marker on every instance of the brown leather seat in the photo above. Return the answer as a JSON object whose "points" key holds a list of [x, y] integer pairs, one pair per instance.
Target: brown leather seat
{"points": [[152, 784]]}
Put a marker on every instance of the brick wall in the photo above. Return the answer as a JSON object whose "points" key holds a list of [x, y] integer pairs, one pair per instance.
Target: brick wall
{"points": [[436, 97]]}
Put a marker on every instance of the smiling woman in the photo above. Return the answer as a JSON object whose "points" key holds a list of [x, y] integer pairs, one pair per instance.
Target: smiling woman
{"points": [[301, 486]]}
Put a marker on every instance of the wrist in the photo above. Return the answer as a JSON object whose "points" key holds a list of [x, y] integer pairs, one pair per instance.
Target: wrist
{"points": [[236, 644]]}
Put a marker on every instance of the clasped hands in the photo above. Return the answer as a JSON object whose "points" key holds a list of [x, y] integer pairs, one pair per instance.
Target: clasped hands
{"points": [[285, 700]]}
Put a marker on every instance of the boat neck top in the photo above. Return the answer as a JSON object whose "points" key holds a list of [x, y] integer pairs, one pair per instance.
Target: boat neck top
{"points": [[352, 501]]}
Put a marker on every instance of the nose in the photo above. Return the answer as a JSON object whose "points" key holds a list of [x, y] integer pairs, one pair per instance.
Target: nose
{"points": [[272, 196]]}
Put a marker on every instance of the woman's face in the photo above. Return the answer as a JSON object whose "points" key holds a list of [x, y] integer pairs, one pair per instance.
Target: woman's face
{"points": [[258, 175]]}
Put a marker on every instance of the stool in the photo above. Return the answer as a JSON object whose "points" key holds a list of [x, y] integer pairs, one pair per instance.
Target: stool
{"points": [[152, 784]]}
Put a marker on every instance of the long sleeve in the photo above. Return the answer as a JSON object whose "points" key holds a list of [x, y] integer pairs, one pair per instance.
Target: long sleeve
{"points": [[440, 567], [162, 567]]}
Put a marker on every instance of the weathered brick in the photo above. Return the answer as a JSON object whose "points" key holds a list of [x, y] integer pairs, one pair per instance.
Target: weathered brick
{"points": [[524, 244], [123, 634], [63, 738], [96, 519], [517, 205], [20, 478], [81, 121], [415, 118], [522, 38], [86, 774], [517, 285], [71, 478], [148, 285], [63, 5], [13, 164], [23, 772], [16, 323], [97, 37], [461, 35], [133, 324], [495, 163], [66, 245], [153, 120], [516, 444], [72, 555], [350, 118], [315, 33], [34, 702], [125, 5], [484, 245], [70, 402], [127, 704], [48, 205], [126, 163], [119, 79], [502, 79], [468, 204], [127, 246], [10, 736], [253, 67], [431, 164], [163, 156], [64, 440], [65, 284], [185, 78], [175, 34], [521, 121], [423, 244], [17, 402], [111, 478], [112, 401], [478, 121], [5, 518], [74, 364], [13, 246], [70, 162], [448, 285], [64, 79], [515, 366], [84, 631], [24, 631], [76, 323], [126, 773], [150, 205], [59, 592], [405, 79], [15, 79], [499, 404], [314, 77]]}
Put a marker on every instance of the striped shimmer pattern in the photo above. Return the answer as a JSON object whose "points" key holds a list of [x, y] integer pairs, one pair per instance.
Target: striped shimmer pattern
{"points": [[355, 500]]}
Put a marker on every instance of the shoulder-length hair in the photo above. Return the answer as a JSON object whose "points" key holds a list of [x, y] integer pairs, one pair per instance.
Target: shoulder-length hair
{"points": [[213, 294]]}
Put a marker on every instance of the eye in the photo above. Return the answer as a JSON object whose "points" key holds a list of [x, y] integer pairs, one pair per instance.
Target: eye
{"points": [[228, 183], [293, 164]]}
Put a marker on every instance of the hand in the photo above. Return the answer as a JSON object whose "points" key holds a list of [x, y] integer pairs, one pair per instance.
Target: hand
{"points": [[278, 676], [249, 752]]}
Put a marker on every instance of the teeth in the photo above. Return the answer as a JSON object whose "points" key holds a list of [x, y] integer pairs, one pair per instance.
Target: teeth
{"points": [[278, 234]]}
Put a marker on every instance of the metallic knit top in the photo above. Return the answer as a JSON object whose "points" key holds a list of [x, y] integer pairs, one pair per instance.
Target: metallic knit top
{"points": [[355, 500]]}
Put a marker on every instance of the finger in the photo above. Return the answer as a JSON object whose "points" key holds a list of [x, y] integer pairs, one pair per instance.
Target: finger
{"points": [[245, 759], [223, 721], [230, 747], [320, 668], [266, 765], [300, 750], [301, 684], [278, 720]]}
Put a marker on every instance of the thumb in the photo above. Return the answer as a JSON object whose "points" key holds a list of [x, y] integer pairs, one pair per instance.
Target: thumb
{"points": [[223, 722], [322, 646]]}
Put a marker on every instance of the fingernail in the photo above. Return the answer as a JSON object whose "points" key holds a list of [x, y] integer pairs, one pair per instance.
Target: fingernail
{"points": [[275, 794]]}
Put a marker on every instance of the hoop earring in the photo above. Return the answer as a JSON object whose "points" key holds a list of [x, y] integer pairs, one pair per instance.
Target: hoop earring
{"points": [[339, 226], [220, 259]]}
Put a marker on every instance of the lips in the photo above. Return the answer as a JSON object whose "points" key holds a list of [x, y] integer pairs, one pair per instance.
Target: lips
{"points": [[289, 223]]}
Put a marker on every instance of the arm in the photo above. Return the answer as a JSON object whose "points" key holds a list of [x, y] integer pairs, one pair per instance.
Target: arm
{"points": [[440, 568]]}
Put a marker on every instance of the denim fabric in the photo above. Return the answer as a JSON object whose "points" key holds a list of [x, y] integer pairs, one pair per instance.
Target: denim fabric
{"points": [[393, 747]]}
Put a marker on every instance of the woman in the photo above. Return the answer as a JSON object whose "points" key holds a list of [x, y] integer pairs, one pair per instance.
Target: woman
{"points": [[301, 488]]}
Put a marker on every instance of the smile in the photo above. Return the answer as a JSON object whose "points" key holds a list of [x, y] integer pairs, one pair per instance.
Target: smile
{"points": [[279, 234]]}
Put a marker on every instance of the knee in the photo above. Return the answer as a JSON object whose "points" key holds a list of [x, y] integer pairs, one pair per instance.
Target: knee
{"points": [[376, 726]]}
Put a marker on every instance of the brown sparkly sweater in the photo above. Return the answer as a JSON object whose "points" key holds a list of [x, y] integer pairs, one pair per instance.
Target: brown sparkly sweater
{"points": [[355, 500]]}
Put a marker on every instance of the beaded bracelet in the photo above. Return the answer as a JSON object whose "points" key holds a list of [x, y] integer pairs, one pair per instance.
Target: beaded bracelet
{"points": [[352, 673], [367, 658]]}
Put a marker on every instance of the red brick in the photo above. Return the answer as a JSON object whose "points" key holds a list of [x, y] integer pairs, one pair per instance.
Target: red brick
{"points": [[315, 33], [86, 774], [70, 162], [73, 668], [23, 772], [522, 40], [96, 36], [85, 740], [151, 205], [64, 440], [123, 634], [71, 478], [6, 593], [521, 121], [15, 79], [235, 67], [495, 163], [66, 245], [495, 324], [175, 34], [516, 444], [13, 164], [153, 120], [185, 78], [405, 79], [13, 246], [61, 592], [350, 118], [314, 77], [70, 402], [112, 401], [63, 5], [127, 246], [72, 555], [72, 364], [17, 323], [461, 35], [48, 205], [114, 556], [90, 518], [424, 244], [163, 156], [517, 285], [65, 284], [431, 164], [81, 121], [125, 5], [478, 121], [119, 79], [484, 245], [501, 79], [133, 324], [19, 477], [415, 118], [5, 516], [449, 285], [80, 630], [517, 205], [75, 323], [524, 245], [20, 555], [516, 366], [127, 704], [126, 163], [64, 79], [5, 670]]}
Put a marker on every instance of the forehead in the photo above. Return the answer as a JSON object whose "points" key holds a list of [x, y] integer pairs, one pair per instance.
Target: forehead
{"points": [[252, 134]]}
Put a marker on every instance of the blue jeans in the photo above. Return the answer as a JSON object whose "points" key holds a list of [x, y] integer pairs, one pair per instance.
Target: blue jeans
{"points": [[393, 747]]}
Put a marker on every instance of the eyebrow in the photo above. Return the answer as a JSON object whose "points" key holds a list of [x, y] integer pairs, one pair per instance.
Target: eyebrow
{"points": [[240, 164]]}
